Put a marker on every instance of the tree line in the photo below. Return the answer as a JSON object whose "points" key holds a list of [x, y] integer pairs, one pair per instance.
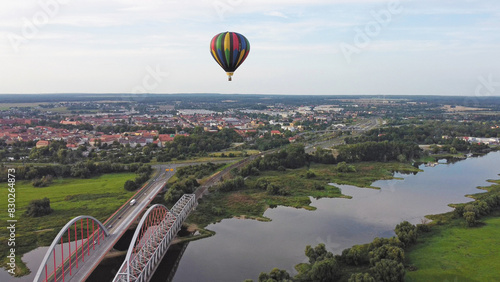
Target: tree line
{"points": [[186, 182], [379, 151], [143, 172], [472, 212], [294, 156], [430, 132], [198, 144], [84, 169]]}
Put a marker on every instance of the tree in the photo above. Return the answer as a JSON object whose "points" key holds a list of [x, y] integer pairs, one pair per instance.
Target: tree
{"points": [[83, 169], [471, 214], [387, 252], [276, 275], [37, 208], [482, 207], [317, 253], [130, 185], [361, 277], [407, 233], [356, 255], [325, 271], [146, 150], [470, 218], [388, 271]]}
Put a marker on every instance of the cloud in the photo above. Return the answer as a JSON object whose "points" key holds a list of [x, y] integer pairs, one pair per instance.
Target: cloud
{"points": [[276, 14], [290, 35]]}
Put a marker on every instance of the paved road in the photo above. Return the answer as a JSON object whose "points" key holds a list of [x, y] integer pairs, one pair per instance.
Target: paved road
{"points": [[119, 222], [126, 215], [357, 129]]}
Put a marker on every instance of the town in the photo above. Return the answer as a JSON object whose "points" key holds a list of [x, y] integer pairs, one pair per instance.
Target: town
{"points": [[110, 158], [134, 124]]}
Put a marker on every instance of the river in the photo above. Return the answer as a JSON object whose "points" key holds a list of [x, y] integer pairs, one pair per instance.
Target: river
{"points": [[243, 248]]}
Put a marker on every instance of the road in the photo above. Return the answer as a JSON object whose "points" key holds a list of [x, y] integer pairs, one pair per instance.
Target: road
{"points": [[127, 214], [121, 220], [356, 130]]}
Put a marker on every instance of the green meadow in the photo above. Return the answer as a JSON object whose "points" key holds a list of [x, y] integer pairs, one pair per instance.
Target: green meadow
{"points": [[99, 197], [457, 253], [453, 252]]}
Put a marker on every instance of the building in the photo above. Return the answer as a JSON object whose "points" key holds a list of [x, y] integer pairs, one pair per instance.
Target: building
{"points": [[42, 143]]}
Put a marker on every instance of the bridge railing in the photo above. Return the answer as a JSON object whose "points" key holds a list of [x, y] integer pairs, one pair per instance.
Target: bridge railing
{"points": [[79, 238], [153, 236]]}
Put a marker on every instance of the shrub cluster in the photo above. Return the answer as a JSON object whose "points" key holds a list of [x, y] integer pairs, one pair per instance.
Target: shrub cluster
{"points": [[472, 212]]}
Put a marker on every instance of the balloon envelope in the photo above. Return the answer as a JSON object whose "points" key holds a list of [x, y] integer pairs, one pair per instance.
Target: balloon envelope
{"points": [[229, 49]]}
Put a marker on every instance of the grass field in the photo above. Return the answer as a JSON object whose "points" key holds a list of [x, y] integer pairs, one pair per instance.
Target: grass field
{"points": [[99, 197], [457, 253], [454, 252], [7, 106]]}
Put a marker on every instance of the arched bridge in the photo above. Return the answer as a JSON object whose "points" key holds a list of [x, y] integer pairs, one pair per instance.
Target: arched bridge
{"points": [[79, 238], [152, 238], [84, 239]]}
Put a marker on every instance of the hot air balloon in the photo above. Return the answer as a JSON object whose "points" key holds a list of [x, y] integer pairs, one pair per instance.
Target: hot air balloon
{"points": [[229, 49]]}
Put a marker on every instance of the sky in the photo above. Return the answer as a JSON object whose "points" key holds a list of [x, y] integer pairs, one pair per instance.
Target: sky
{"points": [[306, 47]]}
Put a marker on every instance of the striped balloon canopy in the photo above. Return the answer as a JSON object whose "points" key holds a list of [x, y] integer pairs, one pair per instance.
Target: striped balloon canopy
{"points": [[229, 49]]}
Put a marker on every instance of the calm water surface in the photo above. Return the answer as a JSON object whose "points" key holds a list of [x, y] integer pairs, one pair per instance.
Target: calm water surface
{"points": [[242, 249]]}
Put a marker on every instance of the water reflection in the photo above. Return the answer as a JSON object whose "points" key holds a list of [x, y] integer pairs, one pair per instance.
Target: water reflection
{"points": [[242, 249]]}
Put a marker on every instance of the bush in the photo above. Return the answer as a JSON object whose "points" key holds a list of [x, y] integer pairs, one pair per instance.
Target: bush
{"points": [[325, 270], [37, 208], [275, 275], [217, 211], [361, 277], [261, 184], [459, 211], [276, 190], [407, 233], [387, 252], [310, 174], [356, 255], [130, 185], [318, 186], [344, 167], [423, 228], [470, 215], [388, 271], [231, 185], [272, 189]]}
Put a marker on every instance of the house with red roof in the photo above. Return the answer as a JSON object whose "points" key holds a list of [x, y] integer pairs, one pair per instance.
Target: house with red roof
{"points": [[42, 143]]}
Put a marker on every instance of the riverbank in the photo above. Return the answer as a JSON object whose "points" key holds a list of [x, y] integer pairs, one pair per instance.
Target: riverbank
{"points": [[447, 249], [69, 197], [337, 223], [293, 188], [452, 251]]}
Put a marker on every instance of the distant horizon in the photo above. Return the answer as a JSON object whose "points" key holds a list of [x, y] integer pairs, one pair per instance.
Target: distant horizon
{"points": [[249, 94]]}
